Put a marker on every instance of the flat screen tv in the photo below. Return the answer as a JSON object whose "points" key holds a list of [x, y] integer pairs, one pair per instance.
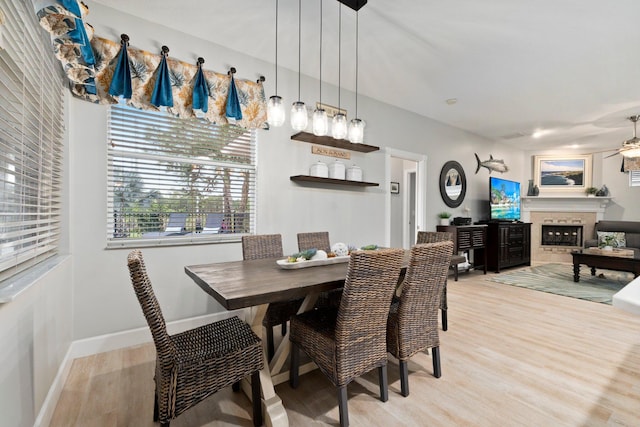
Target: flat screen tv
{"points": [[504, 199]]}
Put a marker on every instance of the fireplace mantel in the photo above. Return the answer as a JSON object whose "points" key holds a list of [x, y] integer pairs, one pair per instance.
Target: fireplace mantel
{"points": [[564, 204]]}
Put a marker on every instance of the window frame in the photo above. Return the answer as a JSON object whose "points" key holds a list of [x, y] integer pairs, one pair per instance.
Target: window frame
{"points": [[157, 150]]}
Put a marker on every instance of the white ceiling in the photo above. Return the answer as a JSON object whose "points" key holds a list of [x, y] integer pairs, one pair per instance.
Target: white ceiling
{"points": [[569, 67]]}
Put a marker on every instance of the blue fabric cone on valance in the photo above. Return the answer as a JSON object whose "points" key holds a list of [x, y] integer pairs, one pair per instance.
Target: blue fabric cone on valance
{"points": [[162, 95], [121, 82], [233, 103], [200, 98]]}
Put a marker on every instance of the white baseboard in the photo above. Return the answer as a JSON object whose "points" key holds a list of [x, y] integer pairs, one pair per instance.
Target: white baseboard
{"points": [[109, 342]]}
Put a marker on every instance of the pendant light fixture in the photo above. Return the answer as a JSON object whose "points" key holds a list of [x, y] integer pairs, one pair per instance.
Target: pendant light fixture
{"points": [[339, 122], [356, 126], [299, 118], [320, 121], [275, 108]]}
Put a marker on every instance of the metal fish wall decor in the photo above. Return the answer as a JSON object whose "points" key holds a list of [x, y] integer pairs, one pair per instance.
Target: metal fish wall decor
{"points": [[491, 164]]}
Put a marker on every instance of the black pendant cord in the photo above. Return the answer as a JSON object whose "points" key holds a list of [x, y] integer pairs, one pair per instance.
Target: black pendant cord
{"points": [[357, 40], [339, 51], [320, 53], [276, 47], [299, 51]]}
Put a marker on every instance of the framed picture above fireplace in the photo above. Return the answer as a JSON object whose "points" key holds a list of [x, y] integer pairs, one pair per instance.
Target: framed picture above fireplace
{"points": [[562, 174]]}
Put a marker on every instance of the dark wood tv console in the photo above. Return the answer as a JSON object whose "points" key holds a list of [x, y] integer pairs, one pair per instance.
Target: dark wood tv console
{"points": [[469, 237], [508, 245]]}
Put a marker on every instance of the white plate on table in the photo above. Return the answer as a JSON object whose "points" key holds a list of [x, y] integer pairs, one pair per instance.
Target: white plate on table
{"points": [[283, 263]]}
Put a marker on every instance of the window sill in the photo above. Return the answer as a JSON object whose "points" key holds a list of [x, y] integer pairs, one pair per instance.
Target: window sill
{"points": [[14, 286], [187, 239]]}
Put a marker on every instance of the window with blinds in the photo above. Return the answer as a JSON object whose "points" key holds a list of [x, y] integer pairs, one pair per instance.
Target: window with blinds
{"points": [[634, 178], [177, 181], [31, 132]]}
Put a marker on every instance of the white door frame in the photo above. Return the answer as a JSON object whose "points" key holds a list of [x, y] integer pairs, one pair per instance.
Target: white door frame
{"points": [[406, 208], [421, 188]]}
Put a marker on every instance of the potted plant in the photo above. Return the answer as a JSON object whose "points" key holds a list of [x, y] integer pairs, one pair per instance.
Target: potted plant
{"points": [[591, 191], [444, 218]]}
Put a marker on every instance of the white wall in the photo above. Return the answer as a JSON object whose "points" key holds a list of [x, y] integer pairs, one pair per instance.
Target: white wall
{"points": [[35, 334]]}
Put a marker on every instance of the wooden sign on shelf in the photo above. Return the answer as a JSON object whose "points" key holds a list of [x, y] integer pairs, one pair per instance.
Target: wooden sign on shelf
{"points": [[331, 152]]}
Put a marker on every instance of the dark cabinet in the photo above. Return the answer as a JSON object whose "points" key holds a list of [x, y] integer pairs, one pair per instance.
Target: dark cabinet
{"points": [[469, 237], [508, 245]]}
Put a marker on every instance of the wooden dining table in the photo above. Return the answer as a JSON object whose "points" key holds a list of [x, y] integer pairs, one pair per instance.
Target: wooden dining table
{"points": [[254, 285]]}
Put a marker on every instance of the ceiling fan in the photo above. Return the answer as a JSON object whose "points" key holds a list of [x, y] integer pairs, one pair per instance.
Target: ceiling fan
{"points": [[630, 147]]}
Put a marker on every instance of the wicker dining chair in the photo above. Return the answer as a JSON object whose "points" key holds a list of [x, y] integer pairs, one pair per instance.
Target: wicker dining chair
{"points": [[413, 318], [270, 246], [441, 236], [314, 240], [350, 340], [320, 240], [194, 364]]}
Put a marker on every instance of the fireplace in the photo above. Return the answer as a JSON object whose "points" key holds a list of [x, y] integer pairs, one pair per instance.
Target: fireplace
{"points": [[562, 217], [561, 235]]}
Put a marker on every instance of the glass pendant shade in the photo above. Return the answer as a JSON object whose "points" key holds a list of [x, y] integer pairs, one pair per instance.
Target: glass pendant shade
{"points": [[299, 118], [275, 111], [356, 131], [339, 126], [320, 122]]}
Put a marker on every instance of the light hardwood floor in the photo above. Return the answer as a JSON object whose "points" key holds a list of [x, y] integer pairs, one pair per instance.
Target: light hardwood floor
{"points": [[511, 357]]}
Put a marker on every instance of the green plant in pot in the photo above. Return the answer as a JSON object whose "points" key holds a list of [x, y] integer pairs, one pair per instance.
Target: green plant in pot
{"points": [[444, 218], [591, 191]]}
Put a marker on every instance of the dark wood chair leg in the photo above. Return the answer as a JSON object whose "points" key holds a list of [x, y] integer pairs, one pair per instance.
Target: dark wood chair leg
{"points": [[294, 378], [384, 383], [156, 410], [435, 355], [255, 398], [270, 347], [455, 272], [444, 307], [342, 406], [404, 378], [236, 386], [284, 329]]}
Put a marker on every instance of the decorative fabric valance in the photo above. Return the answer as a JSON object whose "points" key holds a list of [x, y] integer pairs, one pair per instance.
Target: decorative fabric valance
{"points": [[97, 69]]}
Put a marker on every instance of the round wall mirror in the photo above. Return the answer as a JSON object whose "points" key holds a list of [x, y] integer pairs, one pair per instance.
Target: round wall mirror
{"points": [[453, 184]]}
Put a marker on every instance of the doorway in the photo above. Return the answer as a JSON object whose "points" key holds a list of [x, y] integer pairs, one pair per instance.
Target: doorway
{"points": [[406, 203]]}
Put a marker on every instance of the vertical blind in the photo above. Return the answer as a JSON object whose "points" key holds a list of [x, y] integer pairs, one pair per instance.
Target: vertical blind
{"points": [[31, 131], [634, 178], [177, 181]]}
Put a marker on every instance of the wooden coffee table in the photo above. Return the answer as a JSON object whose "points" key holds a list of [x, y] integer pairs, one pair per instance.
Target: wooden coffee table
{"points": [[621, 260]]}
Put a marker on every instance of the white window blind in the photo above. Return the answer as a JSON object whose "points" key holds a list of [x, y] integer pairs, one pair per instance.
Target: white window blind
{"points": [[634, 178], [31, 130], [177, 181]]}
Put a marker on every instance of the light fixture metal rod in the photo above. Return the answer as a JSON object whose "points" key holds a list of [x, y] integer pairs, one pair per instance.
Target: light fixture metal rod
{"points": [[276, 47], [357, 41], [299, 38], [321, 53], [339, 50]]}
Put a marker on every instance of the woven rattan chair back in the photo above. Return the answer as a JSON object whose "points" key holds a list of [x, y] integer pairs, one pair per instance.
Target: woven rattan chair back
{"points": [[362, 315], [150, 307], [261, 246], [420, 298], [434, 236], [413, 318], [315, 240]]}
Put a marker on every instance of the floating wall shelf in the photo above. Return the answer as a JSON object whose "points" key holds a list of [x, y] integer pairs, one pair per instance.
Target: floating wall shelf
{"points": [[307, 178], [332, 142]]}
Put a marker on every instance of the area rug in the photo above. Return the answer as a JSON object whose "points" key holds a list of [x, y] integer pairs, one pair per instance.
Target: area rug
{"points": [[558, 279]]}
